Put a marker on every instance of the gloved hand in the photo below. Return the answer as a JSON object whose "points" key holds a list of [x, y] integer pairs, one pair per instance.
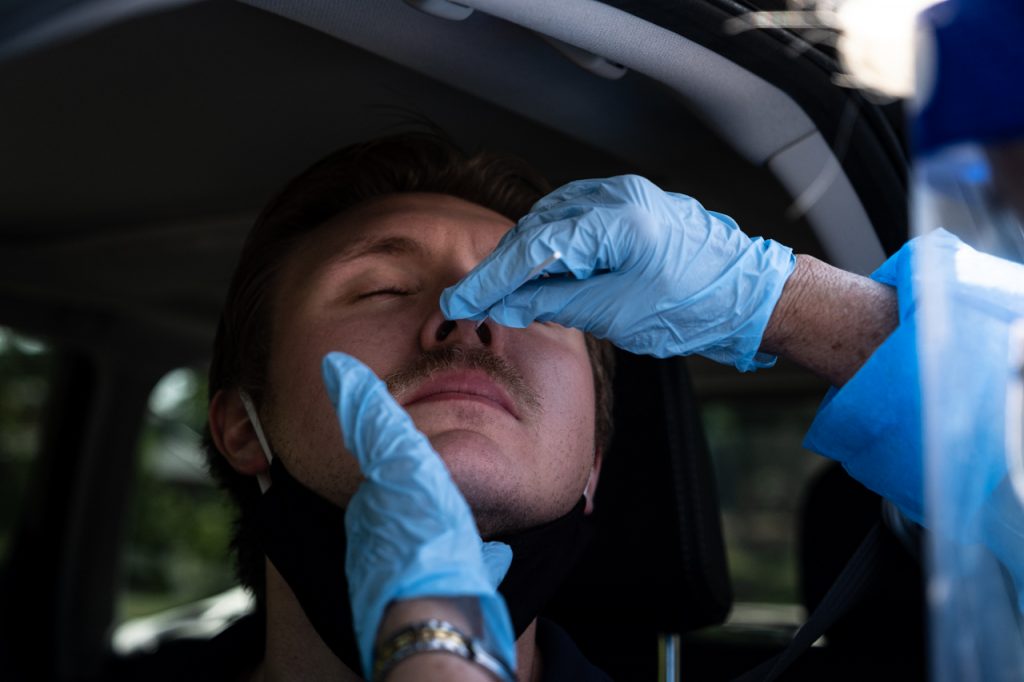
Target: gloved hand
{"points": [[653, 272], [410, 532]]}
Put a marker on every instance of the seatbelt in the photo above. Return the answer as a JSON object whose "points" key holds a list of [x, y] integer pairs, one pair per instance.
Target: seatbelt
{"points": [[848, 588]]}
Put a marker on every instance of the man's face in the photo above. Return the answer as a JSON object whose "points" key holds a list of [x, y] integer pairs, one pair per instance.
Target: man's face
{"points": [[510, 411]]}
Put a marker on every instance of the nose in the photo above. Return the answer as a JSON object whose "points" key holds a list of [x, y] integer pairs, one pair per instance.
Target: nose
{"points": [[445, 329], [441, 332]]}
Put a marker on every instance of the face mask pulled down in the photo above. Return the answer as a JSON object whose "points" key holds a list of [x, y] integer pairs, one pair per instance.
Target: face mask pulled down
{"points": [[303, 536]]}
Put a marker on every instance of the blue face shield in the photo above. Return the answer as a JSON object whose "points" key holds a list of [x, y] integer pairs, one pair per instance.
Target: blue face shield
{"points": [[964, 292]]}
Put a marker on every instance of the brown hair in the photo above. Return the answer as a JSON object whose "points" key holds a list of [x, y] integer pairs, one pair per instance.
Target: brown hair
{"points": [[410, 162]]}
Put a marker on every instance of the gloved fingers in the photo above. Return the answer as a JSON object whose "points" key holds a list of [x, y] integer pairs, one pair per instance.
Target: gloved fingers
{"points": [[728, 220], [568, 192], [497, 558], [585, 238], [588, 305], [614, 191], [510, 263], [374, 427], [591, 224]]}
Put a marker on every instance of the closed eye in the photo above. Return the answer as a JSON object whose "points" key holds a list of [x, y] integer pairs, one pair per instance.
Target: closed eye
{"points": [[387, 291]]}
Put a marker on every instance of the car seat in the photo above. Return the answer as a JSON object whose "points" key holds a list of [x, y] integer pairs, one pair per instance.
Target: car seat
{"points": [[657, 564], [882, 635]]}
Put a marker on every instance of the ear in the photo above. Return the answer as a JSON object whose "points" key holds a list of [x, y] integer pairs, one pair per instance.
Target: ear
{"points": [[591, 489], [234, 435]]}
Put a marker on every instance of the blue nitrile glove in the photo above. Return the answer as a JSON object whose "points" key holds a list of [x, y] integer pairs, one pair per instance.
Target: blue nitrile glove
{"points": [[410, 532], [653, 272]]}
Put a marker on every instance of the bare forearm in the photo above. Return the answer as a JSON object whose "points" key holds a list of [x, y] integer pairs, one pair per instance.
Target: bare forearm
{"points": [[829, 320]]}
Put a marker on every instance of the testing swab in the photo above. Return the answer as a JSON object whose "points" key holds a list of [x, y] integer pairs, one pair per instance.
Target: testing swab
{"points": [[555, 255], [536, 270]]}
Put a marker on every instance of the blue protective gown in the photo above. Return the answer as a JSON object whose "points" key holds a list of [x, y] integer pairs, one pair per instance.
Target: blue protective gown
{"points": [[873, 425]]}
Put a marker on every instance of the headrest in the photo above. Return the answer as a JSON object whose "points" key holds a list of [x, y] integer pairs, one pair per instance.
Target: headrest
{"points": [[658, 564]]}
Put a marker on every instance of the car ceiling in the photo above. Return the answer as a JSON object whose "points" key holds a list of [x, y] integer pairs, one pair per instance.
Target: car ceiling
{"points": [[136, 152]]}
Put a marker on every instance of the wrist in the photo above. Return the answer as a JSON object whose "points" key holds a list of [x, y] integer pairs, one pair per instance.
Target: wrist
{"points": [[785, 318], [413, 628], [830, 321], [459, 611]]}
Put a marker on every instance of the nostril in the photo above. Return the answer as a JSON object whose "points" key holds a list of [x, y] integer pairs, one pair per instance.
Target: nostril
{"points": [[444, 330], [484, 332]]}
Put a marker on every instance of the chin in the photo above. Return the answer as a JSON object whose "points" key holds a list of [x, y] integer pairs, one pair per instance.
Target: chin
{"points": [[476, 465], [491, 479]]}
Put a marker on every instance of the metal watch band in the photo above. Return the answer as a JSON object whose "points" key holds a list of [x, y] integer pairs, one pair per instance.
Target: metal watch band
{"points": [[431, 636]]}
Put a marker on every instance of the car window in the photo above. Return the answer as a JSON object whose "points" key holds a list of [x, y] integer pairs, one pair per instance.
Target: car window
{"points": [[755, 441], [26, 377], [177, 548]]}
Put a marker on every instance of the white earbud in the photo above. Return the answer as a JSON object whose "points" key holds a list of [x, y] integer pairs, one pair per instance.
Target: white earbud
{"points": [[254, 419]]}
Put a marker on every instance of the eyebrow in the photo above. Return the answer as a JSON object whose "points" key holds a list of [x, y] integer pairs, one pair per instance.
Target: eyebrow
{"points": [[373, 246]]}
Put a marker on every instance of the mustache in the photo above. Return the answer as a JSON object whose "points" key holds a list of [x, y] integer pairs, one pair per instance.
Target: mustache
{"points": [[431, 362]]}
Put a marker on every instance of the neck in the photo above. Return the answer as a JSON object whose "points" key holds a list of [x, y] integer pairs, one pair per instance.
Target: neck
{"points": [[294, 650]]}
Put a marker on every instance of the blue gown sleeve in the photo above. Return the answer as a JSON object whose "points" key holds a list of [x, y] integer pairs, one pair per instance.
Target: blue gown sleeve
{"points": [[873, 425]]}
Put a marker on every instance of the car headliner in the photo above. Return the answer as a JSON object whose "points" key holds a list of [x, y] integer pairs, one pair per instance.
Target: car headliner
{"points": [[138, 150]]}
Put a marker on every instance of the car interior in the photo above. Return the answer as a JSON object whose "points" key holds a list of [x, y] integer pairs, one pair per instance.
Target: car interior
{"points": [[140, 140]]}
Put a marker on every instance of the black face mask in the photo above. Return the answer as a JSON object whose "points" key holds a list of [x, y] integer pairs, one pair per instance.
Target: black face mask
{"points": [[303, 535]]}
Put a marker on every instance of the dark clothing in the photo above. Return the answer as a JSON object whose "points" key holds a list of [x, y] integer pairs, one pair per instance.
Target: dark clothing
{"points": [[235, 653], [561, 659]]}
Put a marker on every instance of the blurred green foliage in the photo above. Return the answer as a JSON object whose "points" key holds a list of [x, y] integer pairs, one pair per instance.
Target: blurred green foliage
{"points": [[26, 369], [180, 528]]}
